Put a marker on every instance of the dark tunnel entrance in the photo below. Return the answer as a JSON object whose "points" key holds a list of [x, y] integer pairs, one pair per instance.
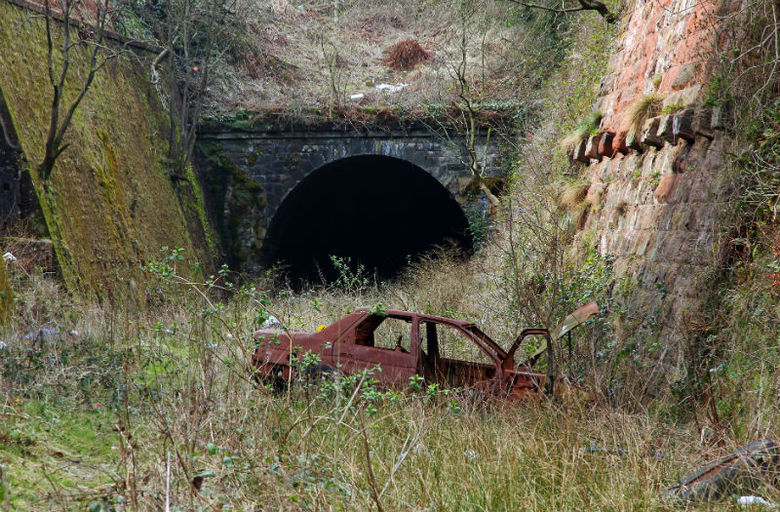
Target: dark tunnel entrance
{"points": [[376, 210]]}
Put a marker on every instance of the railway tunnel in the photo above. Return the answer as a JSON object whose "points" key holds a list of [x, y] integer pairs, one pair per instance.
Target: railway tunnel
{"points": [[378, 211]]}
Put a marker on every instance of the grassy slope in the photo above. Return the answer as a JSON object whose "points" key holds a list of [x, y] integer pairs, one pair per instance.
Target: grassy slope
{"points": [[285, 58], [110, 206]]}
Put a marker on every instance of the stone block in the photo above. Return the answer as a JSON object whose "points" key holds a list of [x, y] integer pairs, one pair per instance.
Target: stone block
{"points": [[633, 141], [684, 76], [592, 147], [579, 152], [605, 144], [666, 188], [650, 133], [702, 122], [683, 189], [666, 128], [687, 96], [594, 194], [681, 153], [619, 143], [604, 170], [641, 243], [682, 126], [722, 117]]}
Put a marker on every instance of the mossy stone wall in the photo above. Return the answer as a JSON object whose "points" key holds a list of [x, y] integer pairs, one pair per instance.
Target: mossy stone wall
{"points": [[109, 204], [6, 294]]}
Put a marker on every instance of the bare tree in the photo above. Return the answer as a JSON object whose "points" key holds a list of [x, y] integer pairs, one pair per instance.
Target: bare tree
{"points": [[468, 109], [464, 123], [60, 60], [195, 34]]}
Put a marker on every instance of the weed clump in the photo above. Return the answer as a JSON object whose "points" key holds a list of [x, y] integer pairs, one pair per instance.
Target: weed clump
{"points": [[404, 56]]}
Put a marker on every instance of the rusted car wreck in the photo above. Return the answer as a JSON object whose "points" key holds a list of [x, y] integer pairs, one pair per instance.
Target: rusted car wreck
{"points": [[446, 351]]}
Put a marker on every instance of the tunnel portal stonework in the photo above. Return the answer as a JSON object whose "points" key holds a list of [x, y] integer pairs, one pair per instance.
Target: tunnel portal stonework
{"points": [[249, 173]]}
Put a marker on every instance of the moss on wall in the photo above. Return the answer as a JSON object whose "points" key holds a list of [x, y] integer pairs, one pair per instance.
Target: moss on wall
{"points": [[109, 203], [237, 209]]}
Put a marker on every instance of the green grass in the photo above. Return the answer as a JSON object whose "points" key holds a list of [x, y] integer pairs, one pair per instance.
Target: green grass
{"points": [[55, 451]]}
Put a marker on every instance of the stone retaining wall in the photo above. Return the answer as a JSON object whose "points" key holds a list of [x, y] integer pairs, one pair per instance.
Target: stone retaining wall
{"points": [[658, 190]]}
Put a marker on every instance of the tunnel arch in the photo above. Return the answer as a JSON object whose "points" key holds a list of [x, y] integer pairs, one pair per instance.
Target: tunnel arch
{"points": [[377, 210]]}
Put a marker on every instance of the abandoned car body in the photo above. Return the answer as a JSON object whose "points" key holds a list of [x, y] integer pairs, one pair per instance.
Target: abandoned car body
{"points": [[452, 353]]}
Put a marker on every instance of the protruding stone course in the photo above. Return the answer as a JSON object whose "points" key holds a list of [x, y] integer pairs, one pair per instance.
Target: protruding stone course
{"points": [[605, 145], [666, 128], [633, 140], [592, 147], [579, 152], [619, 143], [682, 126], [721, 117], [650, 133]]}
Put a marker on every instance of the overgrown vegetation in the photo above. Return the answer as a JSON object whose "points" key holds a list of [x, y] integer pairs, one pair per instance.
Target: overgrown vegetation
{"points": [[642, 109], [736, 338], [143, 411], [121, 409]]}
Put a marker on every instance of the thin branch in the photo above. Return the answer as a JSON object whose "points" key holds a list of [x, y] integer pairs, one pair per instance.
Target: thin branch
{"points": [[585, 5], [373, 488]]}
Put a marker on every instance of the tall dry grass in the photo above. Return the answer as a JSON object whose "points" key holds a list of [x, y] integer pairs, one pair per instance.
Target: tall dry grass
{"points": [[159, 409]]}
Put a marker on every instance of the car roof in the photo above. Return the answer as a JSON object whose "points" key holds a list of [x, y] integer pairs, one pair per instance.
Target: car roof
{"points": [[464, 324]]}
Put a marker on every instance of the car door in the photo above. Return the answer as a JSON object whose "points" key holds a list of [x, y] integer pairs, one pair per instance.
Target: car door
{"points": [[386, 341]]}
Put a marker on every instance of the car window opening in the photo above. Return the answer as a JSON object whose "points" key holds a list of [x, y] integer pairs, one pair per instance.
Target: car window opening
{"points": [[449, 357], [385, 333]]}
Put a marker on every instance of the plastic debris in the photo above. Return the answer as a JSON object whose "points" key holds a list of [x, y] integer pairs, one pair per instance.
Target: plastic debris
{"points": [[8, 257], [595, 449], [47, 334], [271, 323], [748, 501], [44, 334], [470, 454], [390, 87]]}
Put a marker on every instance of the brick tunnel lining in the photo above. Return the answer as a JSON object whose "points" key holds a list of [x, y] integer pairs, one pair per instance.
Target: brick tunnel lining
{"points": [[378, 211]]}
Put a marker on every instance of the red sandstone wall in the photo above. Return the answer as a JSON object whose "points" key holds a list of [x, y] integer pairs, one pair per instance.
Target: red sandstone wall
{"points": [[666, 40], [656, 201]]}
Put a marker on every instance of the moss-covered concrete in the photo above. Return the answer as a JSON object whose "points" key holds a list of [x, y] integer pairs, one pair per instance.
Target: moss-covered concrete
{"points": [[109, 203]]}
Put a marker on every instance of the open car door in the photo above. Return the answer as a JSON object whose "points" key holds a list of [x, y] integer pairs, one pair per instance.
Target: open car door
{"points": [[572, 320]]}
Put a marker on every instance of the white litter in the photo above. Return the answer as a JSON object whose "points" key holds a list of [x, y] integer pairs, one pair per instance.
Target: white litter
{"points": [[748, 501], [357, 97], [390, 87], [9, 257], [271, 323]]}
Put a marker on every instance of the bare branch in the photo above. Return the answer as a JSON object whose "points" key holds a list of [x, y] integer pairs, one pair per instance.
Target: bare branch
{"points": [[585, 5], [54, 146]]}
